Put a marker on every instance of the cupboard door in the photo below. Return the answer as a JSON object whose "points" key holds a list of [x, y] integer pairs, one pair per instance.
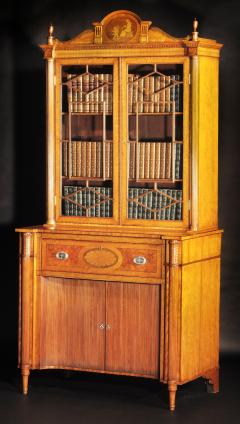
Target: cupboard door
{"points": [[87, 140], [132, 328], [72, 312]]}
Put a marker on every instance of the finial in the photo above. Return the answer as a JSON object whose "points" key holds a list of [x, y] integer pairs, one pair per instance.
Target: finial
{"points": [[50, 34], [195, 33]]}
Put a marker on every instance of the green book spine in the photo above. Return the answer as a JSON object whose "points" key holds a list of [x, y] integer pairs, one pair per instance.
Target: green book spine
{"points": [[159, 205], [65, 202], [107, 209], [173, 206], [179, 205], [71, 205], [98, 198], [79, 200], [144, 202], [92, 202], [169, 201], [110, 202], [149, 204], [140, 208], [154, 200], [75, 207], [102, 205], [84, 200], [135, 205], [130, 203], [164, 203]]}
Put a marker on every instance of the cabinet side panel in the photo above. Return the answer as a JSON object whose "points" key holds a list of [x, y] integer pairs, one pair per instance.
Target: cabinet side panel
{"points": [[200, 318], [208, 142], [72, 311], [132, 340], [209, 344], [190, 322]]}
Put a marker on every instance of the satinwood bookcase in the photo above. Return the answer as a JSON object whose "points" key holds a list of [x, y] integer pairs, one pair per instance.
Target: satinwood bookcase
{"points": [[124, 276]]}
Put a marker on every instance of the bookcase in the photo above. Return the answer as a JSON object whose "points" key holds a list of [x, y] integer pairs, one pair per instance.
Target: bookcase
{"points": [[124, 276]]}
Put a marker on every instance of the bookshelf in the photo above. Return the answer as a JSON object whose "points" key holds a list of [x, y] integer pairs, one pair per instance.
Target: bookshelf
{"points": [[123, 278]]}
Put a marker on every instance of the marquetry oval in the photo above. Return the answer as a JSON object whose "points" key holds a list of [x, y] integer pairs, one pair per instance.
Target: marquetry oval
{"points": [[101, 257], [121, 28]]}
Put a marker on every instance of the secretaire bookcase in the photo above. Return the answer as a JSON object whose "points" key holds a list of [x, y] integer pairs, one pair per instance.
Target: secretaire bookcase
{"points": [[124, 276]]}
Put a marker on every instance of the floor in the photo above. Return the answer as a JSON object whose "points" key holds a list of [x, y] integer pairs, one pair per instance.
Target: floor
{"points": [[72, 397]]}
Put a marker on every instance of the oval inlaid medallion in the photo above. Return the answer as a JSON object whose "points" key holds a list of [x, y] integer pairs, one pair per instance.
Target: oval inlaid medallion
{"points": [[101, 258], [122, 28]]}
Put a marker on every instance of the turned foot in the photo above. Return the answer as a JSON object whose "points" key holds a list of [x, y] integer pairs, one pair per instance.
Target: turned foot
{"points": [[212, 379], [25, 374], [172, 388]]}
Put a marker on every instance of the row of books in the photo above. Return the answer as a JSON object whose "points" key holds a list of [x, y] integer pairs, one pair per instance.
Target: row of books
{"points": [[90, 92], [87, 201], [165, 204], [155, 160], [85, 158], [154, 93]]}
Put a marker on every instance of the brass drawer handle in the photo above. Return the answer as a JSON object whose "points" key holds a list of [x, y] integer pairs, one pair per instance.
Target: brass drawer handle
{"points": [[62, 256], [140, 260]]}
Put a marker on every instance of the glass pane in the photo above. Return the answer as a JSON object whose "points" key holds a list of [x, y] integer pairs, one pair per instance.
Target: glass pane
{"points": [[87, 141], [155, 142]]}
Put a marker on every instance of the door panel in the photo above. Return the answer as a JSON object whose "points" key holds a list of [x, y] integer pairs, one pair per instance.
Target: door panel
{"points": [[72, 311], [132, 328]]}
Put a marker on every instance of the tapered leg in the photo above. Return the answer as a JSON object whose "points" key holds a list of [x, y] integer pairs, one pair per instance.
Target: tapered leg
{"points": [[25, 374], [212, 378], [172, 388]]}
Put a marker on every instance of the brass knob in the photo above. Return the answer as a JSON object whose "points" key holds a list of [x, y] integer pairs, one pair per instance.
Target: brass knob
{"points": [[62, 256], [140, 260], [101, 326]]}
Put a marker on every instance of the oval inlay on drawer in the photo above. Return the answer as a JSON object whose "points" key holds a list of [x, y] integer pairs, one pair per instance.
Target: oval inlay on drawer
{"points": [[101, 258]]}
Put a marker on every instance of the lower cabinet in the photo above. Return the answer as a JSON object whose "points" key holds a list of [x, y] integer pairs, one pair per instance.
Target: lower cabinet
{"points": [[149, 309], [93, 325]]}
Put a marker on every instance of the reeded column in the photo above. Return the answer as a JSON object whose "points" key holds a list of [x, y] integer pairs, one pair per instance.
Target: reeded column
{"points": [[194, 128], [174, 322], [50, 137], [26, 281]]}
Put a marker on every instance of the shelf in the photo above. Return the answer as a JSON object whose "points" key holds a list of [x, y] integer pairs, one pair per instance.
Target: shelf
{"points": [[86, 141], [155, 180], [88, 113], [155, 141], [86, 179], [154, 113]]}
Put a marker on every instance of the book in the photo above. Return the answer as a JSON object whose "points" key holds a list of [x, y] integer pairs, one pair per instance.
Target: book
{"points": [[151, 94], [130, 92], [146, 94], [69, 93], [167, 93]]}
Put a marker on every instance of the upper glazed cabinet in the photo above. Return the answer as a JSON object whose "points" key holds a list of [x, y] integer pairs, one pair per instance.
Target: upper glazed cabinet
{"points": [[132, 127]]}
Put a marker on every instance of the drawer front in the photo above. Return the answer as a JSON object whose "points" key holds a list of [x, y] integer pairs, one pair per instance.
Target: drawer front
{"points": [[102, 258]]}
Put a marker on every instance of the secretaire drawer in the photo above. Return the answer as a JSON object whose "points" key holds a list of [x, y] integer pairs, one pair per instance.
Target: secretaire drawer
{"points": [[102, 258]]}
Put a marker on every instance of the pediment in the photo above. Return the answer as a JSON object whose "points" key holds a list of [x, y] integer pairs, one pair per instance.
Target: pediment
{"points": [[120, 27]]}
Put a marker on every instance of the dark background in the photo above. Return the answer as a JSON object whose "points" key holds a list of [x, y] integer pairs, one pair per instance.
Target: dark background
{"points": [[22, 132]]}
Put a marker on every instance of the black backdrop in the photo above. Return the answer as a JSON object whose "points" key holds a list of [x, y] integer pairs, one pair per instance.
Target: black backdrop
{"points": [[22, 131]]}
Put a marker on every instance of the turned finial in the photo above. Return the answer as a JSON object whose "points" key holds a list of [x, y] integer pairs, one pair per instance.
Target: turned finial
{"points": [[50, 34], [195, 33]]}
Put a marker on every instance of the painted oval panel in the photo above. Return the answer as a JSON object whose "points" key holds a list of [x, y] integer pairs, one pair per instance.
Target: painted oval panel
{"points": [[121, 29], [101, 258]]}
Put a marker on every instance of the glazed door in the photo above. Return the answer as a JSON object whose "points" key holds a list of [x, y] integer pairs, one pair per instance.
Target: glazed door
{"points": [[132, 328], [155, 141], [72, 324], [87, 140]]}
